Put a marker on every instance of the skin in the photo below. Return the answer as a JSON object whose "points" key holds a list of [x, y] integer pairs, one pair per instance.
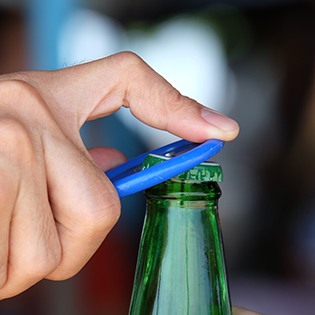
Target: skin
{"points": [[243, 311], [56, 204]]}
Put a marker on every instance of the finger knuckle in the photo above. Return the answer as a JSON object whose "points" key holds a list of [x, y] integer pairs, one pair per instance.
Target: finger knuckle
{"points": [[3, 274], [127, 58], [175, 98], [15, 139], [16, 90], [44, 265], [44, 257], [103, 217]]}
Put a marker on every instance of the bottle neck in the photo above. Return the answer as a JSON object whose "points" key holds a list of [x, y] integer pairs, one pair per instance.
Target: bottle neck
{"points": [[180, 267], [179, 190]]}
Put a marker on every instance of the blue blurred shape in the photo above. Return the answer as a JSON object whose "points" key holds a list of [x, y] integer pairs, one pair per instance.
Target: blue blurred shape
{"points": [[45, 20]]}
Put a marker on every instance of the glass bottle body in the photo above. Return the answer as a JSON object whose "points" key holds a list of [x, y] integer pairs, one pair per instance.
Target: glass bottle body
{"points": [[181, 266]]}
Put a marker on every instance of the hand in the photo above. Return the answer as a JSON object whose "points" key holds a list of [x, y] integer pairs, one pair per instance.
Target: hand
{"points": [[56, 204], [243, 311]]}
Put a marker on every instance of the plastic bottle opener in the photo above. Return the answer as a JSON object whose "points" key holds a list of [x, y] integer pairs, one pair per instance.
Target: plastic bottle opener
{"points": [[181, 156]]}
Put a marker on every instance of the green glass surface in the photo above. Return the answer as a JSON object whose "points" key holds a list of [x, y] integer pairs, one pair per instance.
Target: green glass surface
{"points": [[181, 267]]}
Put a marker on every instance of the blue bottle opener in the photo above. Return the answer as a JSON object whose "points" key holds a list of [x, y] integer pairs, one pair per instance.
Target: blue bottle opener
{"points": [[181, 156]]}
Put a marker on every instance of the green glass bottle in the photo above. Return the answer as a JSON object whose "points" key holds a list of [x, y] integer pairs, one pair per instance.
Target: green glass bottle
{"points": [[181, 267]]}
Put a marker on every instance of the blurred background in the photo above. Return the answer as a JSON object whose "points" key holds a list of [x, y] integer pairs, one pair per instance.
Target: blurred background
{"points": [[252, 60]]}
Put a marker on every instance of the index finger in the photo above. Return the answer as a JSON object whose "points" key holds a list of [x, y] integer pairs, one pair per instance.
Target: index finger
{"points": [[98, 88]]}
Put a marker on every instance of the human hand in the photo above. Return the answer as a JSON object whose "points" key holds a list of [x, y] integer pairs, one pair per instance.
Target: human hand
{"points": [[57, 205], [242, 311]]}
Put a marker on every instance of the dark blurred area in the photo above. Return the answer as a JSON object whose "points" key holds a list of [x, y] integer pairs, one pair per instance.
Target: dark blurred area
{"points": [[267, 53]]}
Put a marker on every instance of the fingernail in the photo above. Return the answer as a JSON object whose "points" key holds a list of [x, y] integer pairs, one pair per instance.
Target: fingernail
{"points": [[218, 120]]}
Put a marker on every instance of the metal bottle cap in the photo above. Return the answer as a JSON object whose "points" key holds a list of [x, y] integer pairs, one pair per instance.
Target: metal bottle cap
{"points": [[206, 171]]}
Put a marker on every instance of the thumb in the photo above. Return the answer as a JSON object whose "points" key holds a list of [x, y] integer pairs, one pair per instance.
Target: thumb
{"points": [[107, 158]]}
